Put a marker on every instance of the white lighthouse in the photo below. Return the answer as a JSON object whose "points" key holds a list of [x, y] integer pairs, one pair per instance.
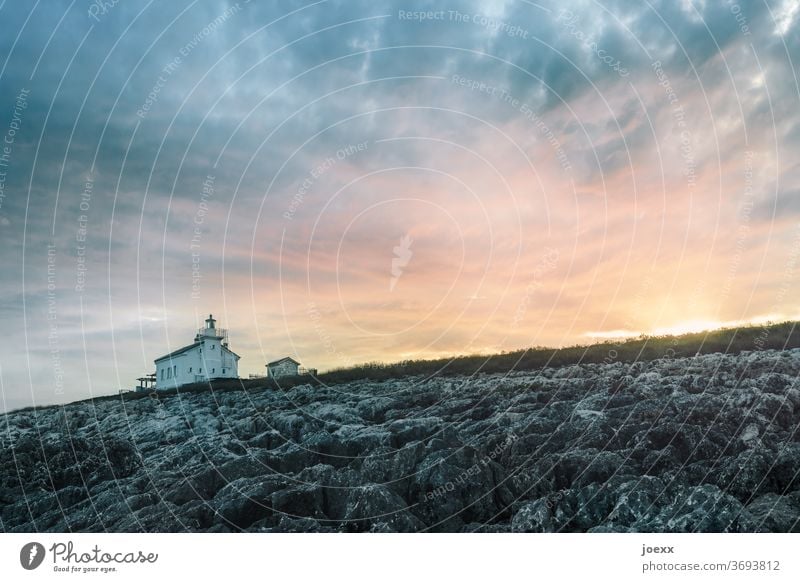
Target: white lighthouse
{"points": [[207, 358]]}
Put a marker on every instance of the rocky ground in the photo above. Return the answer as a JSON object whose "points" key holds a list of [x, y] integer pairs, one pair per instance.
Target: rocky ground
{"points": [[703, 444]]}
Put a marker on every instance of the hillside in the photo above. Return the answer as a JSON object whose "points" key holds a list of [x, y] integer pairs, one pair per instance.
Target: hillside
{"points": [[706, 443], [733, 340]]}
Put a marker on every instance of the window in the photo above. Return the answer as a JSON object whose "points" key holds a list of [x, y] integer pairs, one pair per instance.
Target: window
{"points": [[162, 373], [213, 370], [212, 346], [169, 373], [199, 370], [190, 369], [175, 371], [223, 370]]}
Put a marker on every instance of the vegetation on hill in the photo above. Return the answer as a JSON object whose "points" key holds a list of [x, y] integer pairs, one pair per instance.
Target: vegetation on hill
{"points": [[777, 336]]}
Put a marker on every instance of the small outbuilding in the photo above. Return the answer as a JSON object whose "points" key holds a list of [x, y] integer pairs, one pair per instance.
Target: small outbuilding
{"points": [[284, 367]]}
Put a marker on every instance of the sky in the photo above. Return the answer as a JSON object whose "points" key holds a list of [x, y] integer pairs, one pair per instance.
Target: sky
{"points": [[356, 181]]}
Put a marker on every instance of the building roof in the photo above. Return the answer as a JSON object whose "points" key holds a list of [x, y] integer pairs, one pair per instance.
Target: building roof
{"points": [[286, 359], [179, 352], [190, 347]]}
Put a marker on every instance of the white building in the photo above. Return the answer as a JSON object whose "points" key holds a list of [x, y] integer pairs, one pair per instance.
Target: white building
{"points": [[207, 358], [284, 367]]}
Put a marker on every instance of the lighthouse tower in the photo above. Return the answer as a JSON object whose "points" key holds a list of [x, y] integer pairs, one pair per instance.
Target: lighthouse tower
{"points": [[207, 358]]}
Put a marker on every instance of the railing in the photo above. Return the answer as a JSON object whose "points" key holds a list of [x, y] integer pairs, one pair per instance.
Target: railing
{"points": [[214, 332]]}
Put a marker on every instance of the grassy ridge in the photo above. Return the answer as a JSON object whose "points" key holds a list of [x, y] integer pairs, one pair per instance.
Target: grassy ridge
{"points": [[727, 340]]}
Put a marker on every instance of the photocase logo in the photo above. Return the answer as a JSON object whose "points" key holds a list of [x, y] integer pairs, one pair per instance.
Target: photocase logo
{"points": [[402, 255], [31, 555]]}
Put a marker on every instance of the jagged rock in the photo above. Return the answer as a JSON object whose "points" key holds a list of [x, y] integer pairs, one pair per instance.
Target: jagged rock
{"points": [[374, 409], [581, 509], [414, 429], [395, 469], [636, 500], [247, 500], [701, 444], [299, 501], [377, 508], [358, 440], [269, 439], [534, 517], [337, 414], [289, 426], [775, 513], [698, 509]]}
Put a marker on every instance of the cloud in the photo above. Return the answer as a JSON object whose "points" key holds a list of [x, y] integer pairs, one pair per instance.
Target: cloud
{"points": [[562, 135]]}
